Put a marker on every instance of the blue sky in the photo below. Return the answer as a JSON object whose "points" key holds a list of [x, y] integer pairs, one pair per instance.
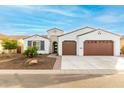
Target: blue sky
{"points": [[29, 20]]}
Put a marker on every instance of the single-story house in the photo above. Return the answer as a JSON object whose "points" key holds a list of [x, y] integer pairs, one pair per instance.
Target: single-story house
{"points": [[19, 40], [82, 42], [89, 41]]}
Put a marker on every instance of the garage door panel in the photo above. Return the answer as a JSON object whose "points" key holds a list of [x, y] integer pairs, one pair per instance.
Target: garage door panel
{"points": [[98, 47], [69, 48]]}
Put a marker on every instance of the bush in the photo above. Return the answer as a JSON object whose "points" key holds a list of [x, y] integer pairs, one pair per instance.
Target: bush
{"points": [[9, 44], [122, 50], [31, 52]]}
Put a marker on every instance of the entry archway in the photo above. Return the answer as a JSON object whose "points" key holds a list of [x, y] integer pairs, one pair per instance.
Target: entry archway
{"points": [[55, 47]]}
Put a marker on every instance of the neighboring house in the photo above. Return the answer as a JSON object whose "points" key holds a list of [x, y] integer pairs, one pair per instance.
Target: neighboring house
{"points": [[1, 48], [19, 40], [89, 41], [2, 37], [122, 41]]}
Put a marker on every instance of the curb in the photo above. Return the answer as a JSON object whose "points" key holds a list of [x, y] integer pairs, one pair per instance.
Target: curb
{"points": [[90, 71]]}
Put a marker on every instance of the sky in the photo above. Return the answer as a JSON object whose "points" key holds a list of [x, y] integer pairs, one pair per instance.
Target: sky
{"points": [[29, 20]]}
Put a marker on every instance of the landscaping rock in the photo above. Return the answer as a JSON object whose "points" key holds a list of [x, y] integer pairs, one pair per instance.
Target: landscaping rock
{"points": [[27, 61], [33, 61]]}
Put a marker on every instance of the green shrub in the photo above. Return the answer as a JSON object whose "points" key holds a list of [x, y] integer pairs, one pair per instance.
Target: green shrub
{"points": [[31, 52], [122, 50], [9, 44]]}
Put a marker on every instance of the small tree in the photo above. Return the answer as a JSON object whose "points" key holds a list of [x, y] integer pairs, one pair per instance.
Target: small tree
{"points": [[122, 50], [31, 52], [9, 44]]}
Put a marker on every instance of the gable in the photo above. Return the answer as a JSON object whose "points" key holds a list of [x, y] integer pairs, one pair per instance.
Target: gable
{"points": [[36, 37], [99, 34]]}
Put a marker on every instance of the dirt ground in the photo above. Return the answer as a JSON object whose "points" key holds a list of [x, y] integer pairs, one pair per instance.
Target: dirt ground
{"points": [[44, 62]]}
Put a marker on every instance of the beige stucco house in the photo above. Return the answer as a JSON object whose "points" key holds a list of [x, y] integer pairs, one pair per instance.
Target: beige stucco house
{"points": [[12, 37]]}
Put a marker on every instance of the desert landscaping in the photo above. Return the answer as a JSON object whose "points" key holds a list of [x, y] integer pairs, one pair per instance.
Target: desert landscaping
{"points": [[21, 62]]}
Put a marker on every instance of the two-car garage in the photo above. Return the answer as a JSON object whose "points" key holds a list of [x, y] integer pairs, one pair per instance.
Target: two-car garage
{"points": [[91, 47], [98, 47], [89, 43]]}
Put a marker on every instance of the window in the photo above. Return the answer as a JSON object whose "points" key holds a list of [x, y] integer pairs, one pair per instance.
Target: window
{"points": [[42, 45], [29, 43], [39, 44], [34, 44]]}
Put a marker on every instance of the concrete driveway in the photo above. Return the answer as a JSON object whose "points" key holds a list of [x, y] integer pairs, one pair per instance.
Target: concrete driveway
{"points": [[92, 62]]}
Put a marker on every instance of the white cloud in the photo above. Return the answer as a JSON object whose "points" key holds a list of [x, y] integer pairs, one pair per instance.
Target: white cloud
{"points": [[110, 16], [69, 11], [57, 11], [107, 18]]}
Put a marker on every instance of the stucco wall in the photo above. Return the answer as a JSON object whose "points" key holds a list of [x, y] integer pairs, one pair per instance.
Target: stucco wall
{"points": [[122, 42], [38, 38], [96, 36], [4, 50], [52, 35], [71, 36], [54, 32]]}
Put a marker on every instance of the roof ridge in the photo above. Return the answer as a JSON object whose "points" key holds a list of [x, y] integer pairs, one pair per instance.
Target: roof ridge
{"points": [[97, 30], [77, 30], [54, 28], [88, 32]]}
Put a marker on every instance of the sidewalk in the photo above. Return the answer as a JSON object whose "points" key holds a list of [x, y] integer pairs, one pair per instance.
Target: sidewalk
{"points": [[57, 65]]}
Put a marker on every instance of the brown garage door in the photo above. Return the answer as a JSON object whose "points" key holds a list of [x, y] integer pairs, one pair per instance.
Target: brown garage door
{"points": [[98, 47], [69, 48]]}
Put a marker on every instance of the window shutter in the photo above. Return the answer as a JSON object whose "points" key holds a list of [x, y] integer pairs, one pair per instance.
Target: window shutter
{"points": [[29, 43], [34, 44], [42, 46]]}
